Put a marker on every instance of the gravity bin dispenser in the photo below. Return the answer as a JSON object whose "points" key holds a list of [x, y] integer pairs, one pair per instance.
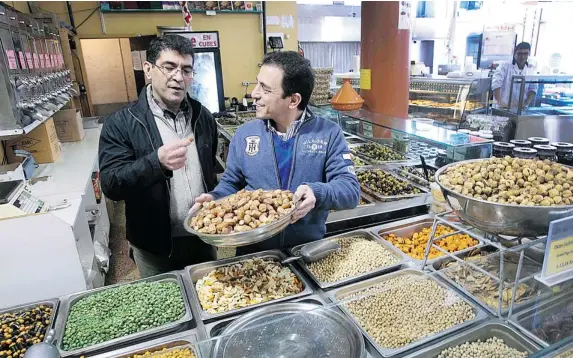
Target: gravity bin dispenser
{"points": [[34, 82]]}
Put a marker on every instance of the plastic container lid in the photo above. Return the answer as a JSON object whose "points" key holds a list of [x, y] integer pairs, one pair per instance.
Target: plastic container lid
{"points": [[475, 133], [503, 145], [545, 149], [466, 131], [486, 136], [562, 146], [486, 131], [538, 140]]}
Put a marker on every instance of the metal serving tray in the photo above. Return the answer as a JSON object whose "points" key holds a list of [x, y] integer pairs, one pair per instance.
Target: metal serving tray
{"points": [[407, 228], [524, 320], [382, 198], [177, 340], [53, 302], [353, 148], [437, 263], [195, 272], [420, 180], [237, 122], [493, 310], [488, 329], [68, 302], [340, 294], [367, 235]]}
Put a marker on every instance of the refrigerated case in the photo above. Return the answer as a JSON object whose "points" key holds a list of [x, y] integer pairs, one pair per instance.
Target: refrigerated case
{"points": [[207, 85], [448, 100], [550, 113]]}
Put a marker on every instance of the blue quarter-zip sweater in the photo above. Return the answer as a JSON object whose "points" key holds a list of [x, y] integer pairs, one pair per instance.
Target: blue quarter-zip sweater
{"points": [[320, 159]]}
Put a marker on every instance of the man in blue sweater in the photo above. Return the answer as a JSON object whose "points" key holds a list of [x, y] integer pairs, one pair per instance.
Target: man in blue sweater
{"points": [[288, 147]]}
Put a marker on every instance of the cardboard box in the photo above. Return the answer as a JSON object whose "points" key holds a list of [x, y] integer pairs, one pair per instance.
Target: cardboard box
{"points": [[42, 143], [69, 125]]}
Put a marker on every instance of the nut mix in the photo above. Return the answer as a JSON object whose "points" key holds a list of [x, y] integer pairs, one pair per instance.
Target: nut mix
{"points": [[168, 353], [121, 311], [243, 211], [378, 152], [244, 284], [416, 245], [384, 184], [406, 309], [357, 255], [492, 348], [21, 329], [515, 181]]}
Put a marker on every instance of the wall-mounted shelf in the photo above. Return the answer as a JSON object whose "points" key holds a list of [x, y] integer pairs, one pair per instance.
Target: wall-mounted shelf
{"points": [[178, 10]]}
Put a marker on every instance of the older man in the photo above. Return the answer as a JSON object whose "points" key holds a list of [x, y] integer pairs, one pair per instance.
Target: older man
{"points": [[158, 155], [288, 147]]}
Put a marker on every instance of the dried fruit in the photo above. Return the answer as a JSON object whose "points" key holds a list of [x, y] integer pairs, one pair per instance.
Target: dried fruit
{"points": [[244, 284]]}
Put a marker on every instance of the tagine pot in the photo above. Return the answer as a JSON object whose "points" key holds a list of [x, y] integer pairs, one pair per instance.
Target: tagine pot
{"points": [[346, 99]]}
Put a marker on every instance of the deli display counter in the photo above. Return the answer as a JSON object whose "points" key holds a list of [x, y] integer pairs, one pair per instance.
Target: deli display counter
{"points": [[448, 100], [549, 115]]}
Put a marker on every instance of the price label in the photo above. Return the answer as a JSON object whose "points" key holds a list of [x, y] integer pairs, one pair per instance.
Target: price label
{"points": [[22, 60], [29, 60], [558, 261], [36, 60], [12, 64], [365, 79]]}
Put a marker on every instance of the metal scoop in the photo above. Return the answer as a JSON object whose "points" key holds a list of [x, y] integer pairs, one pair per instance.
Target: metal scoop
{"points": [[314, 251], [45, 349]]}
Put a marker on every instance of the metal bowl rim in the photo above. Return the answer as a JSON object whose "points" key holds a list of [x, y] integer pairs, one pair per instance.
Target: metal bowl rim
{"points": [[448, 190]]}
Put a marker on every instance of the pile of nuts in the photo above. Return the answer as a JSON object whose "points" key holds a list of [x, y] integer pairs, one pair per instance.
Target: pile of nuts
{"points": [[376, 181], [21, 329], [243, 211], [246, 283], [406, 309], [357, 255], [415, 246], [378, 152], [512, 181], [492, 348], [168, 353]]}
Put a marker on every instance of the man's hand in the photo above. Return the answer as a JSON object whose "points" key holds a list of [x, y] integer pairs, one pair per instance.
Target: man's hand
{"points": [[203, 198], [172, 155], [306, 199]]}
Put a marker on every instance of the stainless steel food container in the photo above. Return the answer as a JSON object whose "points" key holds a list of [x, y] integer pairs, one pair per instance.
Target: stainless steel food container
{"points": [[420, 180], [195, 272], [525, 320], [338, 296], [488, 329], [437, 263], [234, 122], [214, 329], [382, 198], [353, 148], [492, 310], [366, 235], [53, 302], [240, 238], [67, 303], [177, 340], [504, 219], [291, 329], [407, 228]]}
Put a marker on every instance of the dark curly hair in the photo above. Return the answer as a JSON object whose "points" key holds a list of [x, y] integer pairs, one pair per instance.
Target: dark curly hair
{"points": [[298, 75], [176, 43]]}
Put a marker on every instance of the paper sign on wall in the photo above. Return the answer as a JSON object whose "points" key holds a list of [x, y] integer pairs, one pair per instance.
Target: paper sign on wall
{"points": [[558, 261], [404, 20], [29, 60], [365, 79], [11, 59], [22, 60]]}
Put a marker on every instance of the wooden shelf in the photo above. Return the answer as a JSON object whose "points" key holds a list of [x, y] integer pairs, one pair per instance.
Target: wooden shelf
{"points": [[178, 10]]}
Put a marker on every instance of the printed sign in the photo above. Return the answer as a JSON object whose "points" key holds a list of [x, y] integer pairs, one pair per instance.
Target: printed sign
{"points": [[29, 60], [204, 40], [365, 79], [558, 261]]}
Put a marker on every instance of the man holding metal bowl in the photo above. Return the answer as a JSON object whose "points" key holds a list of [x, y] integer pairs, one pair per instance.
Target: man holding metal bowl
{"points": [[289, 148]]}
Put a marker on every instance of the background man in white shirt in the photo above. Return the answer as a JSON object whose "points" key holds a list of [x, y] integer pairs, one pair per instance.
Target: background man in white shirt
{"points": [[501, 81]]}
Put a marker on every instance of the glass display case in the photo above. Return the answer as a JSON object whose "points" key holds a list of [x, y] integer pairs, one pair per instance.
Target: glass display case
{"points": [[550, 113], [448, 100], [410, 137]]}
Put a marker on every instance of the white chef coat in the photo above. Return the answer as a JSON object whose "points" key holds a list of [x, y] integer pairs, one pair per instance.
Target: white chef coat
{"points": [[502, 79]]}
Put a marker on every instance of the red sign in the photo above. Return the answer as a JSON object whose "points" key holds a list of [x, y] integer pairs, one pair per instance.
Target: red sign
{"points": [[11, 60], [29, 60], [22, 60], [205, 40]]}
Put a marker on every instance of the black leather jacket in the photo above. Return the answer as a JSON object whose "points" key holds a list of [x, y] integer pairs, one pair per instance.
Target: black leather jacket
{"points": [[130, 169]]}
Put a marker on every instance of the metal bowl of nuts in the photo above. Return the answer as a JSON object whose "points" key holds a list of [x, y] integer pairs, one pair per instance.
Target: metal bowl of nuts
{"points": [[508, 196], [243, 218]]}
